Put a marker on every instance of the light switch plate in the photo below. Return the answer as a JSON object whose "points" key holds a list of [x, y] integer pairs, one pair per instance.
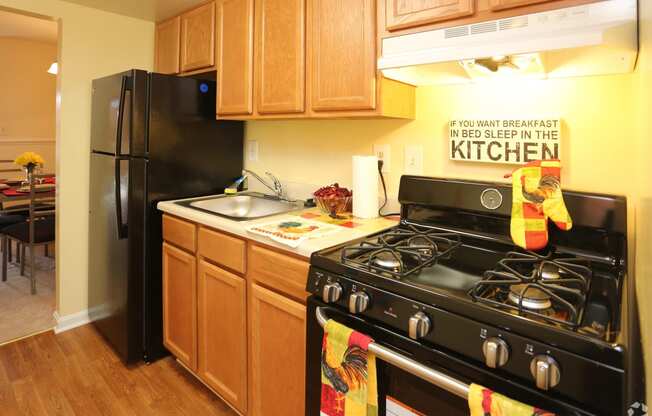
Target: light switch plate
{"points": [[383, 152], [413, 160], [252, 150]]}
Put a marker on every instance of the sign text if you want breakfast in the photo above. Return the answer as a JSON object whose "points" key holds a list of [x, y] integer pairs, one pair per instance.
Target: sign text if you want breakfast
{"points": [[514, 141]]}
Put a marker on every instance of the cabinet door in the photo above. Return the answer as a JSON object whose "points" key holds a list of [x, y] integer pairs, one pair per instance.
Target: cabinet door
{"points": [[508, 4], [342, 44], [277, 336], [402, 14], [223, 333], [197, 38], [280, 56], [180, 305], [168, 38], [235, 29]]}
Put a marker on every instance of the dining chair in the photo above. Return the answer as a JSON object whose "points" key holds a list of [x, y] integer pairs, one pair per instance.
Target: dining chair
{"points": [[38, 228], [9, 170]]}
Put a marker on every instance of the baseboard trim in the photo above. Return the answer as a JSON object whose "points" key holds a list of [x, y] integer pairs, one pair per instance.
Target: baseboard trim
{"points": [[68, 322]]}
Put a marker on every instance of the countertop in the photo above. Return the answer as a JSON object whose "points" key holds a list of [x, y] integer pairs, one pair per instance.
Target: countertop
{"points": [[359, 227]]}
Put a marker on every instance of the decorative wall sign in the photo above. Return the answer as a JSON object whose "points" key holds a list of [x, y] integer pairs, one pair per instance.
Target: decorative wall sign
{"points": [[515, 141]]}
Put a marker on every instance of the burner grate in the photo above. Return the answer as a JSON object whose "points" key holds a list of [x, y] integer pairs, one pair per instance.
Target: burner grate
{"points": [[402, 251], [521, 281]]}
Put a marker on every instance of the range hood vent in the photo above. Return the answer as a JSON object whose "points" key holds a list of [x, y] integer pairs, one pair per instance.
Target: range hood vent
{"points": [[593, 39]]}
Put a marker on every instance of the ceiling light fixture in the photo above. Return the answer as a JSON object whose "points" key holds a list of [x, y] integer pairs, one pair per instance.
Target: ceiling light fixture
{"points": [[54, 68]]}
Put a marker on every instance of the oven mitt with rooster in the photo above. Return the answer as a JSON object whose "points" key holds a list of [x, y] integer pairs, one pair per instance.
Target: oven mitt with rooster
{"points": [[537, 196]]}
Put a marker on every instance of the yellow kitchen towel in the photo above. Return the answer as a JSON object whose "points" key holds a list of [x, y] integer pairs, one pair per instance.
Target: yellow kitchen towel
{"points": [[484, 402], [348, 373]]}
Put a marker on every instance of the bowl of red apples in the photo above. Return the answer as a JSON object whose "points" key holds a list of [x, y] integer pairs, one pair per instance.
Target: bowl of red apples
{"points": [[333, 199]]}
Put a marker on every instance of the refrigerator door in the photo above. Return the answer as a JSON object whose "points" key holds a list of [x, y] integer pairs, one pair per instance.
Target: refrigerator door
{"points": [[109, 289], [119, 114]]}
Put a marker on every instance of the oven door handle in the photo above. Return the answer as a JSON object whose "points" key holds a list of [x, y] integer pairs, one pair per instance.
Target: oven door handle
{"points": [[433, 377]]}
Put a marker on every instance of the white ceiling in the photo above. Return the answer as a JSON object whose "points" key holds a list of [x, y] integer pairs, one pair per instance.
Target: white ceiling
{"points": [[16, 25], [154, 10]]}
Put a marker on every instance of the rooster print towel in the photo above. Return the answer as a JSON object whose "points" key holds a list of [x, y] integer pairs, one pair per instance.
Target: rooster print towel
{"points": [[348, 373], [484, 402]]}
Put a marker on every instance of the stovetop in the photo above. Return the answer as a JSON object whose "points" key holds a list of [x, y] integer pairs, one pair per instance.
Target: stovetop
{"points": [[553, 289]]}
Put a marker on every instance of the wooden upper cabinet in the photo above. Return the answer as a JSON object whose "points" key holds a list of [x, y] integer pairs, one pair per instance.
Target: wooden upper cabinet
{"points": [[197, 38], [277, 339], [280, 56], [234, 52], [223, 333], [166, 56], [180, 305], [508, 4], [401, 14], [342, 54]]}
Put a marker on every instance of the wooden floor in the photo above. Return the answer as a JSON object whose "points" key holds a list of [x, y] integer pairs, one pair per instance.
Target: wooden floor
{"points": [[76, 373]]}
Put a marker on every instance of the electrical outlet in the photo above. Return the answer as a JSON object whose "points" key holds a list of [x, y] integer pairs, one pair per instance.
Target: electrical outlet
{"points": [[252, 150], [383, 152], [413, 160]]}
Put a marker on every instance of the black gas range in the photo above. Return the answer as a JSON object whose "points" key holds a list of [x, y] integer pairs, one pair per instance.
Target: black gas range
{"points": [[447, 290]]}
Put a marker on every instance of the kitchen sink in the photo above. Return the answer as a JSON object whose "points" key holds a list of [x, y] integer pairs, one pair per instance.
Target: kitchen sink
{"points": [[242, 207]]}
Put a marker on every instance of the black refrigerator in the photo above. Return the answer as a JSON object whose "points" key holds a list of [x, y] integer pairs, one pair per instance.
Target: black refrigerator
{"points": [[153, 137]]}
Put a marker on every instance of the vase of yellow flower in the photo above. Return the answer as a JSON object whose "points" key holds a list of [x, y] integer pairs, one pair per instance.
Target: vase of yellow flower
{"points": [[29, 161]]}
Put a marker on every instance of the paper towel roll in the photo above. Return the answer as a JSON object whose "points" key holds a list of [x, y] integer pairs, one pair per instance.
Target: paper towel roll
{"points": [[365, 186]]}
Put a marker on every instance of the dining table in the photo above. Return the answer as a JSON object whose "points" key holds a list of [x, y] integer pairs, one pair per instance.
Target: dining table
{"points": [[14, 197]]}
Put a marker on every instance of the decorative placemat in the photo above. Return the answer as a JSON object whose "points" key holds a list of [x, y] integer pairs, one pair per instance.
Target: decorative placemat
{"points": [[292, 230]]}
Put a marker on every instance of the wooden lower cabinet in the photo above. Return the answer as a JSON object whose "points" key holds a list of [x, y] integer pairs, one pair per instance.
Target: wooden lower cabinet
{"points": [[223, 333], [277, 341], [243, 335], [180, 304]]}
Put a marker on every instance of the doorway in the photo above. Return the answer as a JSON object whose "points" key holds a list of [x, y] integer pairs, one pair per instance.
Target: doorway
{"points": [[28, 81]]}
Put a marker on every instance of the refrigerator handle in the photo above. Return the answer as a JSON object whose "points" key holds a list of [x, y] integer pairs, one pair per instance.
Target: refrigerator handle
{"points": [[122, 227], [121, 114]]}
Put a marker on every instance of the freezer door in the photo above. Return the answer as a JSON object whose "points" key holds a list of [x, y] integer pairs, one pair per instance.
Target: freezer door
{"points": [[118, 113], [109, 289]]}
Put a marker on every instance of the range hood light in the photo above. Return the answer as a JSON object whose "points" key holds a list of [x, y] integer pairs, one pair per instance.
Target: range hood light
{"points": [[522, 66]]}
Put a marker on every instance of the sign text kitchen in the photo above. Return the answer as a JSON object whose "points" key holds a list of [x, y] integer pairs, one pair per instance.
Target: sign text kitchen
{"points": [[514, 141]]}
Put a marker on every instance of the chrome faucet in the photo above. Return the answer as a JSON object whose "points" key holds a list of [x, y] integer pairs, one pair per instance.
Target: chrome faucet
{"points": [[275, 187]]}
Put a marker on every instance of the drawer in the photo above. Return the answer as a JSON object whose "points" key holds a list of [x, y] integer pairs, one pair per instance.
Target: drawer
{"points": [[222, 249], [181, 233], [278, 271]]}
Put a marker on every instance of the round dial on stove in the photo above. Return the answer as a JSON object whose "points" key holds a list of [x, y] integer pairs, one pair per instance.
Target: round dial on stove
{"points": [[491, 198], [419, 325], [545, 371], [358, 302], [331, 292], [496, 352]]}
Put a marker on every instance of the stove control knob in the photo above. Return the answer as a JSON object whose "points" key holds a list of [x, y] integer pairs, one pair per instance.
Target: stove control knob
{"points": [[358, 302], [331, 292], [419, 325], [496, 352], [545, 371]]}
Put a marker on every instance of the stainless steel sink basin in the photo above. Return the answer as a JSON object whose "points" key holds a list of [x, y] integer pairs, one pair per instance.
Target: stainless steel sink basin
{"points": [[242, 206]]}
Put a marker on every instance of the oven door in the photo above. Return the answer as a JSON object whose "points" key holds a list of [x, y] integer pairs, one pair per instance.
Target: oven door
{"points": [[414, 379]]}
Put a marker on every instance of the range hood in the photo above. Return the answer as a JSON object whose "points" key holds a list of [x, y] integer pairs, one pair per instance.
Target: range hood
{"points": [[592, 39]]}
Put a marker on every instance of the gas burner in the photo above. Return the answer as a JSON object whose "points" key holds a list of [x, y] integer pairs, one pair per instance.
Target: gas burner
{"points": [[422, 245], [401, 251], [548, 287], [388, 260], [529, 297]]}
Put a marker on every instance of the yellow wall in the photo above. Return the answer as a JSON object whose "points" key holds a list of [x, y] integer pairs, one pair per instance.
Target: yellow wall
{"points": [[27, 106], [27, 101], [598, 131], [643, 248], [93, 43]]}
